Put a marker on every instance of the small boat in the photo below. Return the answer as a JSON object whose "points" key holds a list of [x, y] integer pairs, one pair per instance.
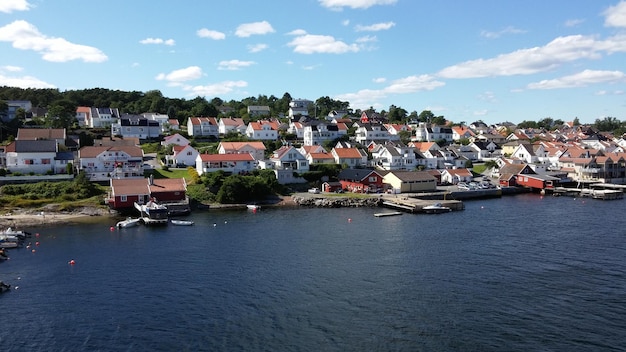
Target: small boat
{"points": [[153, 213], [181, 222], [436, 208], [253, 207], [129, 222], [390, 213]]}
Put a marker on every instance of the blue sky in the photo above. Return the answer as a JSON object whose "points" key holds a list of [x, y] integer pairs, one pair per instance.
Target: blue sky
{"points": [[489, 60]]}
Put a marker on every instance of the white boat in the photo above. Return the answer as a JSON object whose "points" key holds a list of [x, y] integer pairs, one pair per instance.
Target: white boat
{"points": [[129, 222], [391, 213], [153, 213], [436, 209], [17, 233], [181, 222], [253, 207]]}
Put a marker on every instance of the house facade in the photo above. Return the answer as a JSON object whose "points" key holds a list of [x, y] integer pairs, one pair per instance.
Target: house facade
{"points": [[104, 163], [38, 156], [410, 181], [361, 180], [97, 117], [203, 127], [256, 149], [262, 130], [125, 192], [229, 163], [136, 126]]}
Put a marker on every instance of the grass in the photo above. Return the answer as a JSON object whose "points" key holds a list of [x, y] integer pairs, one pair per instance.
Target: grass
{"points": [[172, 173]]}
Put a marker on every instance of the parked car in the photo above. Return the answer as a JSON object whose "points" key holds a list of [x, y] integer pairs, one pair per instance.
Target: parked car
{"points": [[314, 190], [462, 186]]}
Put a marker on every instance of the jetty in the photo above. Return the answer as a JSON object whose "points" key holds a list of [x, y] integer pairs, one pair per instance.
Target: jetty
{"points": [[416, 205], [603, 194]]}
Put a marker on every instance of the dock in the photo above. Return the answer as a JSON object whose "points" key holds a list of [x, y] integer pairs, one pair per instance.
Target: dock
{"points": [[414, 205], [603, 194]]}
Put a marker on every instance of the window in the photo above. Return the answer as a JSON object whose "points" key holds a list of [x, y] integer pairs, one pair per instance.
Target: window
{"points": [[123, 198], [45, 161], [28, 161]]}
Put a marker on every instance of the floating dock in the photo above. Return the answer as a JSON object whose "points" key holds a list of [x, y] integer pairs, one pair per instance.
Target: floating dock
{"points": [[414, 205], [604, 194]]}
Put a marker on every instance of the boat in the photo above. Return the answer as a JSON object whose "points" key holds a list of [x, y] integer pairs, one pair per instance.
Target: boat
{"points": [[253, 206], [436, 208], [389, 213], [129, 222], [4, 287], [153, 213], [181, 222], [17, 233]]}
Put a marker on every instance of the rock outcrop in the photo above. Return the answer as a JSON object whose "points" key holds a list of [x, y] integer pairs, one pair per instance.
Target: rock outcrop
{"points": [[339, 202]]}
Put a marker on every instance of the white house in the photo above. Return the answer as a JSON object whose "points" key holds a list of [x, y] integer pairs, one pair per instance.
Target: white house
{"points": [[27, 156], [104, 163], [185, 155], [230, 163], [162, 119], [203, 127], [136, 126], [316, 133], [394, 157], [231, 124], [256, 149], [299, 107], [262, 130], [368, 132], [97, 117], [175, 139]]}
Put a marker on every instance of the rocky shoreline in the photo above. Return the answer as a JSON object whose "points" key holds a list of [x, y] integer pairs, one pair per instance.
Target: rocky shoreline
{"points": [[340, 202]]}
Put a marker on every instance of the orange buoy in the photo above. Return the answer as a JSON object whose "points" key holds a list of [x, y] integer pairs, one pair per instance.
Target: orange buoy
{"points": [[72, 262], [37, 243], [112, 228], [349, 220]]}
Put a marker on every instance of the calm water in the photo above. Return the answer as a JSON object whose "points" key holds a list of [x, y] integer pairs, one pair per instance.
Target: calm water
{"points": [[513, 274]]}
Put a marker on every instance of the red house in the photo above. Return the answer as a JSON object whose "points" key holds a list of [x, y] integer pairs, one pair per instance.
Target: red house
{"points": [[523, 175], [361, 180], [169, 191]]}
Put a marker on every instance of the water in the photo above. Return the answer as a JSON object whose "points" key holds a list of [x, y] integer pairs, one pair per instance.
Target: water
{"points": [[512, 274]]}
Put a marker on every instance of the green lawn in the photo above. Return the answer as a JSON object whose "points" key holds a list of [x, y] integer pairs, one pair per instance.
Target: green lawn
{"points": [[172, 173]]}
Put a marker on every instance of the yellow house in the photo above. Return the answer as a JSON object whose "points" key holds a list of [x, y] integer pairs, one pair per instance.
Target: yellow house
{"points": [[410, 181]]}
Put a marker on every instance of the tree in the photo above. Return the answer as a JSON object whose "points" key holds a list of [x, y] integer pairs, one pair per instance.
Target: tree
{"points": [[426, 116], [607, 124], [396, 114]]}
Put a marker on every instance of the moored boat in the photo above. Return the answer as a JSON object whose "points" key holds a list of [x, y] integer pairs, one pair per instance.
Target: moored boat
{"points": [[253, 207], [129, 222], [436, 208], [181, 222], [153, 213]]}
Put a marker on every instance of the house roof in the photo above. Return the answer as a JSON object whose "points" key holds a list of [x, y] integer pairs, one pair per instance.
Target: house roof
{"points": [[226, 157], [459, 172], [40, 133], [142, 186], [94, 151], [239, 145], [408, 176], [356, 174], [28, 146], [347, 153]]}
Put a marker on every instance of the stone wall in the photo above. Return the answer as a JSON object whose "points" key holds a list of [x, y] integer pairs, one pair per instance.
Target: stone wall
{"points": [[338, 202]]}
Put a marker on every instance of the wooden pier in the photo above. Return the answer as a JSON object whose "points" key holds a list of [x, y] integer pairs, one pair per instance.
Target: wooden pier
{"points": [[604, 194], [414, 205]]}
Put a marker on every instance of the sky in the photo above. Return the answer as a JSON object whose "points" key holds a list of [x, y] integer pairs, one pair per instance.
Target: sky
{"points": [[467, 60]]}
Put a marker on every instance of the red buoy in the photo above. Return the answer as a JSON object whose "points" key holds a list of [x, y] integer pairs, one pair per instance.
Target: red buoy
{"points": [[72, 262]]}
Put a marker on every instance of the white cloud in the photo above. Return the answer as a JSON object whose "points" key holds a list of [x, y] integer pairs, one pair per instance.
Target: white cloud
{"points": [[507, 30], [487, 96], [8, 6], [233, 65], [580, 79], [216, 89], [10, 68], [310, 44], [257, 48], [25, 36], [367, 39], [355, 4], [375, 27], [379, 80], [297, 32], [247, 29], [534, 60], [574, 22], [211, 34], [616, 15], [182, 75], [169, 42], [365, 98], [24, 82]]}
